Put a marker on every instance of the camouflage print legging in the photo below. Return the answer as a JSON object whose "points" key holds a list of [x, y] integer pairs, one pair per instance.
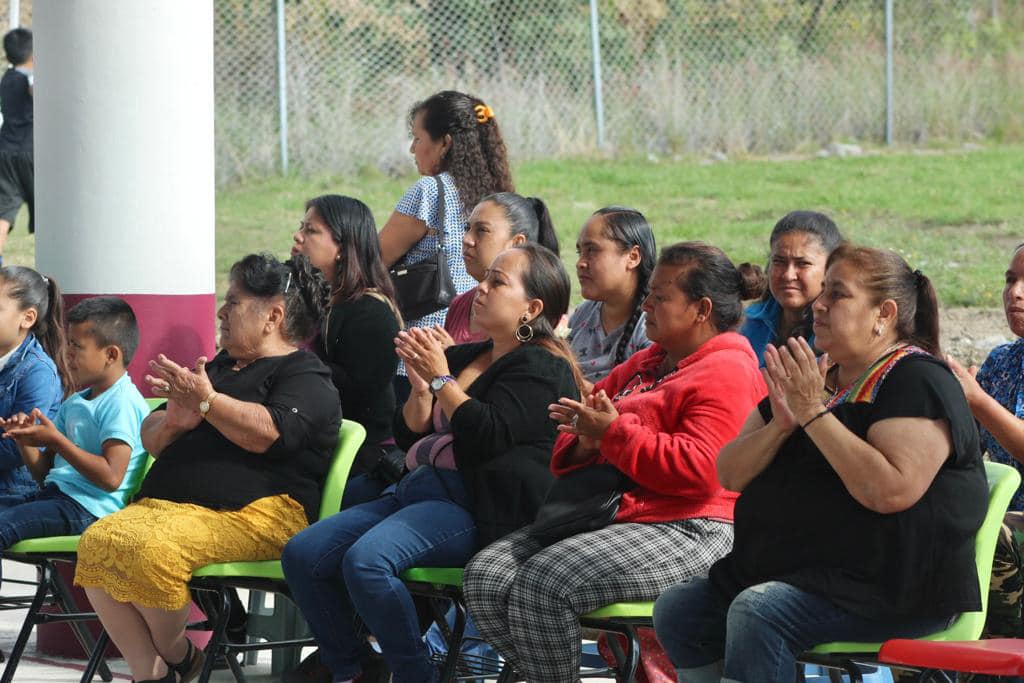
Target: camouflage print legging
{"points": [[1004, 594]]}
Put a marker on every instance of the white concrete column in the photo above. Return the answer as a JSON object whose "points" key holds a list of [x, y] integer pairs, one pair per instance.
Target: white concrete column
{"points": [[124, 162]]}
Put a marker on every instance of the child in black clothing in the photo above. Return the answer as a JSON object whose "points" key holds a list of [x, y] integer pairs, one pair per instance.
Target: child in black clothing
{"points": [[16, 170]]}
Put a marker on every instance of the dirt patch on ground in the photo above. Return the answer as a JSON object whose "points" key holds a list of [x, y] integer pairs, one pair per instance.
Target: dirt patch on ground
{"points": [[968, 334]]}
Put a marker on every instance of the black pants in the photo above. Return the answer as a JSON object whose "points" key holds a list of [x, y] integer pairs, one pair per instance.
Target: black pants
{"points": [[17, 186]]}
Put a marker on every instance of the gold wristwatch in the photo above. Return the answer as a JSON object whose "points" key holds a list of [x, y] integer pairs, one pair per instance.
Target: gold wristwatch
{"points": [[206, 404]]}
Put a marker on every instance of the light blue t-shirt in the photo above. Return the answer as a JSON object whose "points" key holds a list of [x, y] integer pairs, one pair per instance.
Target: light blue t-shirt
{"points": [[117, 413]]}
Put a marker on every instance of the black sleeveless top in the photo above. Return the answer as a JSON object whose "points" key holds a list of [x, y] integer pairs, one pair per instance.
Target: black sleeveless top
{"points": [[797, 523]]}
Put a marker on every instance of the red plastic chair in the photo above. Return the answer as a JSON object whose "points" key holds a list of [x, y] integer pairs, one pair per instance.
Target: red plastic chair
{"points": [[996, 657]]}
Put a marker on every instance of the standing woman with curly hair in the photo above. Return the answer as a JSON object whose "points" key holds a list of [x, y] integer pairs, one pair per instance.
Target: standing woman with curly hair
{"points": [[458, 146]]}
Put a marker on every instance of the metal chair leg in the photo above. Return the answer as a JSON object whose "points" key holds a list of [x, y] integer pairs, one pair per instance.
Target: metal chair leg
{"points": [[216, 645], [626, 659], [507, 675], [95, 657], [236, 668], [42, 589], [67, 605], [451, 661], [633, 659]]}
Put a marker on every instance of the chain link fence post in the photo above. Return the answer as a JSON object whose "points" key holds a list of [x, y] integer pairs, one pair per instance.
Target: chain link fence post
{"points": [[889, 114], [595, 42], [282, 86]]}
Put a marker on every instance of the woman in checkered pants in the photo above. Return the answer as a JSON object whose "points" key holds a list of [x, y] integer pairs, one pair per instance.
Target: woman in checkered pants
{"points": [[659, 418]]}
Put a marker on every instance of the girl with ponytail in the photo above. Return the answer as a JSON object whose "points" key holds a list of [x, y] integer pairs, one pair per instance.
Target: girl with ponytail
{"points": [[461, 157], [33, 368], [615, 258], [500, 221]]}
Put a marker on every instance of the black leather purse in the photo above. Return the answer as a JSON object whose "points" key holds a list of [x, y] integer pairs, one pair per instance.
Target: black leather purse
{"points": [[584, 500], [425, 287]]}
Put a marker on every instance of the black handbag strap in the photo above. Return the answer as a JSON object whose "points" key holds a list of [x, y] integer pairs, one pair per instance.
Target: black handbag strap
{"points": [[440, 211]]}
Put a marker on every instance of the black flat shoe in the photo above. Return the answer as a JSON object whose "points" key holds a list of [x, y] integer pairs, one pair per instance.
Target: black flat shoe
{"points": [[309, 670], [188, 668]]}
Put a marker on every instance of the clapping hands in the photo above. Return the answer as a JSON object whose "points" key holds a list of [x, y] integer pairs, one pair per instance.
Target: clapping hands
{"points": [[796, 380], [588, 419], [33, 430], [423, 354]]}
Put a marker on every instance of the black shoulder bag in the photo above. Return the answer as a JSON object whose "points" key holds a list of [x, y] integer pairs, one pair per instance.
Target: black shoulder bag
{"points": [[583, 500], [425, 287]]}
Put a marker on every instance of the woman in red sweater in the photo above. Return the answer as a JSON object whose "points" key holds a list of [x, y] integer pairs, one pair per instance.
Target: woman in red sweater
{"points": [[660, 418]]}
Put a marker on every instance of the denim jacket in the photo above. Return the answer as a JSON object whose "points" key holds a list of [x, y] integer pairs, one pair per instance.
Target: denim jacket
{"points": [[28, 380]]}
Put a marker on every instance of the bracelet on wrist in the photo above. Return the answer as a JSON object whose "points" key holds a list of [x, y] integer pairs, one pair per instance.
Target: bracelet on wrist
{"points": [[823, 413]]}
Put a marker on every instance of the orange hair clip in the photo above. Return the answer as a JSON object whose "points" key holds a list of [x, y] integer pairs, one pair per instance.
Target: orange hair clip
{"points": [[483, 113]]}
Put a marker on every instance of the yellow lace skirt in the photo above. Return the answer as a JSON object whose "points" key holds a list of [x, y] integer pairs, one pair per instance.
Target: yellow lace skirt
{"points": [[145, 553]]}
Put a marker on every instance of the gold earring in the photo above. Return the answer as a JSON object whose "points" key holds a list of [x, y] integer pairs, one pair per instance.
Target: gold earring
{"points": [[524, 332]]}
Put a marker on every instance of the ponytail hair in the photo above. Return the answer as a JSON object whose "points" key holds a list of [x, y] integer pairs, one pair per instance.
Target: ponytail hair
{"points": [[630, 229], [545, 279], [710, 274], [527, 216], [32, 290], [926, 318], [886, 275]]}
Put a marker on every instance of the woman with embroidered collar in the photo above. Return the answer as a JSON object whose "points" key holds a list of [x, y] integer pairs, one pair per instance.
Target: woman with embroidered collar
{"points": [[862, 488]]}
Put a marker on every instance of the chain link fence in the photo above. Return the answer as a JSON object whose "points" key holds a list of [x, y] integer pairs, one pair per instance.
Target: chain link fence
{"points": [[676, 76]]}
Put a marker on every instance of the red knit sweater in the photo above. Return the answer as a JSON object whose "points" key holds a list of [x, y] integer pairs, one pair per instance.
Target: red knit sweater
{"points": [[667, 439]]}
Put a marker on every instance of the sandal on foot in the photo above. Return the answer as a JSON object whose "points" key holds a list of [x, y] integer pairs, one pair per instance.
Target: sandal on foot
{"points": [[190, 666]]}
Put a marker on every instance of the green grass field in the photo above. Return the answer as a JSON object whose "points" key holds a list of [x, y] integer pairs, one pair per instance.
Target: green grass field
{"points": [[954, 214]]}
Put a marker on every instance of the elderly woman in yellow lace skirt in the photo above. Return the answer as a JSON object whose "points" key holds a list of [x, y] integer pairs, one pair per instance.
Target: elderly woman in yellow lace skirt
{"points": [[242, 449]]}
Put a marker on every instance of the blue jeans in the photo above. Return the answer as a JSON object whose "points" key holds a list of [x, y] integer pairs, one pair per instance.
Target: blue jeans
{"points": [[361, 489], [40, 513], [761, 632], [348, 566]]}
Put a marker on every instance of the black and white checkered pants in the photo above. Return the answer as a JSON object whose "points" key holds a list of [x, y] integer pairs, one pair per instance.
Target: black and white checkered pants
{"points": [[526, 600]]}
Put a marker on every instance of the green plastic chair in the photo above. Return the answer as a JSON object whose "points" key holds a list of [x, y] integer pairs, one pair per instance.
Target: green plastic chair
{"points": [[446, 583], [44, 553], [1003, 481], [267, 575]]}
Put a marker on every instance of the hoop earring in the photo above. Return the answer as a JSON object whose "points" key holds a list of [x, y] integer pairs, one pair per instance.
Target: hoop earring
{"points": [[524, 332]]}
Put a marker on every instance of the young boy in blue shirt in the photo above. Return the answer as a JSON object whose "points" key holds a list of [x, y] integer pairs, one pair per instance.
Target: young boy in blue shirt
{"points": [[88, 457]]}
